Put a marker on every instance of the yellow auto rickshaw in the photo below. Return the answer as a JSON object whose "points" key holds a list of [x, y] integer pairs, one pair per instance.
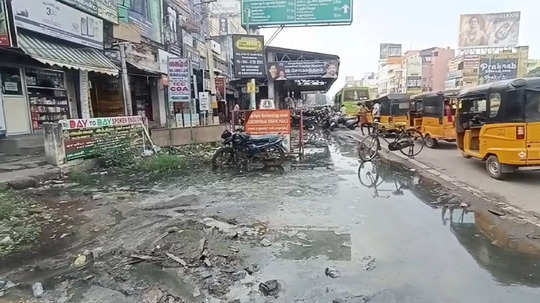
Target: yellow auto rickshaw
{"points": [[438, 114], [500, 124], [416, 112], [394, 110]]}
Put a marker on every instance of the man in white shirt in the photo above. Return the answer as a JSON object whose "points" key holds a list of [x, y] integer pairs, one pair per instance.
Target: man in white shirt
{"points": [[376, 112]]}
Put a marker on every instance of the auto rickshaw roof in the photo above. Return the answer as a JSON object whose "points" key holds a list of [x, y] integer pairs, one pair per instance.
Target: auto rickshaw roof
{"points": [[504, 85], [445, 93], [394, 98]]}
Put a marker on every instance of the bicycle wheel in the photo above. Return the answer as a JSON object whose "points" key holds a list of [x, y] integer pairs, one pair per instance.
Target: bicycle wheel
{"points": [[369, 148], [413, 143], [368, 174]]}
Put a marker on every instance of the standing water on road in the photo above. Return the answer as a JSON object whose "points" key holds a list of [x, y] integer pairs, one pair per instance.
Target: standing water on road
{"points": [[383, 242]]}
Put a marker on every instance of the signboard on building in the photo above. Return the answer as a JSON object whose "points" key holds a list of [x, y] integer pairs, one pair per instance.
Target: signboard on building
{"points": [[296, 12], [491, 70], [179, 80], [220, 88], [105, 9], [300, 70], [204, 101], [58, 20], [5, 39], [388, 50], [489, 30], [86, 138], [248, 56]]}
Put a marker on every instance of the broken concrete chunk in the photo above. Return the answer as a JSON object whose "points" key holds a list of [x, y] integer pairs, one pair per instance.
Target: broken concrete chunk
{"points": [[270, 288]]}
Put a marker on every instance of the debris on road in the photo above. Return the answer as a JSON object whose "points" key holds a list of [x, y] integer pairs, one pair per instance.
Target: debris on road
{"points": [[332, 272], [37, 290], [270, 288]]}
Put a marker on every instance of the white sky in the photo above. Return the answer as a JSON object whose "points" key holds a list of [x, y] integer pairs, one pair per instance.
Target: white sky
{"points": [[417, 24]]}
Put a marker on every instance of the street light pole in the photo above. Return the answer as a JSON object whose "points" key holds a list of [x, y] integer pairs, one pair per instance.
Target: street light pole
{"points": [[128, 108]]}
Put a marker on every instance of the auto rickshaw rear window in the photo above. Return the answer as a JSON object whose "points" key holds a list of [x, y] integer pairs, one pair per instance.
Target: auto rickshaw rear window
{"points": [[532, 108]]}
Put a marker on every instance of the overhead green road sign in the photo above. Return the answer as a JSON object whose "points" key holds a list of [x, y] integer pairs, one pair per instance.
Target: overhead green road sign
{"points": [[296, 12]]}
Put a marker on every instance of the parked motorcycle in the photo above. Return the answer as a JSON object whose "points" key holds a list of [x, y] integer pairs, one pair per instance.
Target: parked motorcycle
{"points": [[240, 149]]}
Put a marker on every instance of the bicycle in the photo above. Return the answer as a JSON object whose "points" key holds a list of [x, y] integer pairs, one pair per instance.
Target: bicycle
{"points": [[408, 141]]}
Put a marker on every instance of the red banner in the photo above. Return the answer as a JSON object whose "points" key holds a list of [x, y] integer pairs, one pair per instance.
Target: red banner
{"points": [[220, 88], [265, 122], [4, 25]]}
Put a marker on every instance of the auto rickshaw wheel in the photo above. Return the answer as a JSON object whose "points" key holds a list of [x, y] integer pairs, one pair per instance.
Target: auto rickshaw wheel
{"points": [[430, 142], [494, 168]]}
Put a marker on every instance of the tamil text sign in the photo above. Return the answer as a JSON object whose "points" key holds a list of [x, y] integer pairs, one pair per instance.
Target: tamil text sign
{"points": [[491, 70], [105, 9], [264, 122], [59, 20], [179, 80], [489, 30], [296, 12], [248, 56], [86, 138], [301, 70]]}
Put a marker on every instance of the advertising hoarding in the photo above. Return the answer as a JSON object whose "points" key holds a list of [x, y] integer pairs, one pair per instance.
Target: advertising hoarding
{"points": [[5, 39], [296, 12], [489, 30], [299, 70], [220, 88], [248, 56], [179, 80], [492, 69], [58, 20], [204, 101], [105, 9], [388, 50]]}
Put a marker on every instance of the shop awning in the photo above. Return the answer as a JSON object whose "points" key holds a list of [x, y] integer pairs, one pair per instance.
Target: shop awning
{"points": [[64, 55]]}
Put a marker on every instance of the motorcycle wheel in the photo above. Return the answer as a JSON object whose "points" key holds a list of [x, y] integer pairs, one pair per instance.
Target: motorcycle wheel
{"points": [[223, 158], [275, 156]]}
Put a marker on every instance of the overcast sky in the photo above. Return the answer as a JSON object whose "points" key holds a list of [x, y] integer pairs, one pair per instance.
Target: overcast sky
{"points": [[416, 24]]}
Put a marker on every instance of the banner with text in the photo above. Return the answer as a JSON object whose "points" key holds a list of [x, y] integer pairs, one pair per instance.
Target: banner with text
{"points": [[179, 80], [301, 70], [5, 39], [248, 56]]}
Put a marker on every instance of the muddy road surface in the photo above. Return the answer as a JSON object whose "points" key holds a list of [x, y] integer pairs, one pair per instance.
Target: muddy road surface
{"points": [[374, 232]]}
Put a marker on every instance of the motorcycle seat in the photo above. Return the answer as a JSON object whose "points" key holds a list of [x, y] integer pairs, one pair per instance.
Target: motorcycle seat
{"points": [[265, 139]]}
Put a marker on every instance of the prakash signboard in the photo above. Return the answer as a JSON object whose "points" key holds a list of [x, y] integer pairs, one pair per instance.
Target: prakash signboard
{"points": [[58, 20], [248, 56], [489, 30], [296, 12], [491, 70], [303, 70]]}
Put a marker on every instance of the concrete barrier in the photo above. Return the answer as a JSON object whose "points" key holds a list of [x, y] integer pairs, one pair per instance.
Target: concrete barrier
{"points": [[164, 137]]}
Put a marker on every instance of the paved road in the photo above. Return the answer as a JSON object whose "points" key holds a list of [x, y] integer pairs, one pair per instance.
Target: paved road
{"points": [[520, 190]]}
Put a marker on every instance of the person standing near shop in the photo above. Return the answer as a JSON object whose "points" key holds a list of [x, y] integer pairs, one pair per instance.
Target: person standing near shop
{"points": [[376, 112]]}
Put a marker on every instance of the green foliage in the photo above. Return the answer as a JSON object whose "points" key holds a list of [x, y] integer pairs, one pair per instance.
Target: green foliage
{"points": [[124, 154], [17, 222], [161, 164]]}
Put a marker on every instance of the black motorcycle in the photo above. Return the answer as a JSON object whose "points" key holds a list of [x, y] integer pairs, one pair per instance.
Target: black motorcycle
{"points": [[240, 149]]}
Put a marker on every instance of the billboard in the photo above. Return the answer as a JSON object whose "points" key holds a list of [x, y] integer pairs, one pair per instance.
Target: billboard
{"points": [[296, 12], [390, 50], [491, 69], [489, 30], [248, 56], [303, 70], [58, 20]]}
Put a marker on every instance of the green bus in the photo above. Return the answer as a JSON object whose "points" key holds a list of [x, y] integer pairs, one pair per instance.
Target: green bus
{"points": [[350, 96]]}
